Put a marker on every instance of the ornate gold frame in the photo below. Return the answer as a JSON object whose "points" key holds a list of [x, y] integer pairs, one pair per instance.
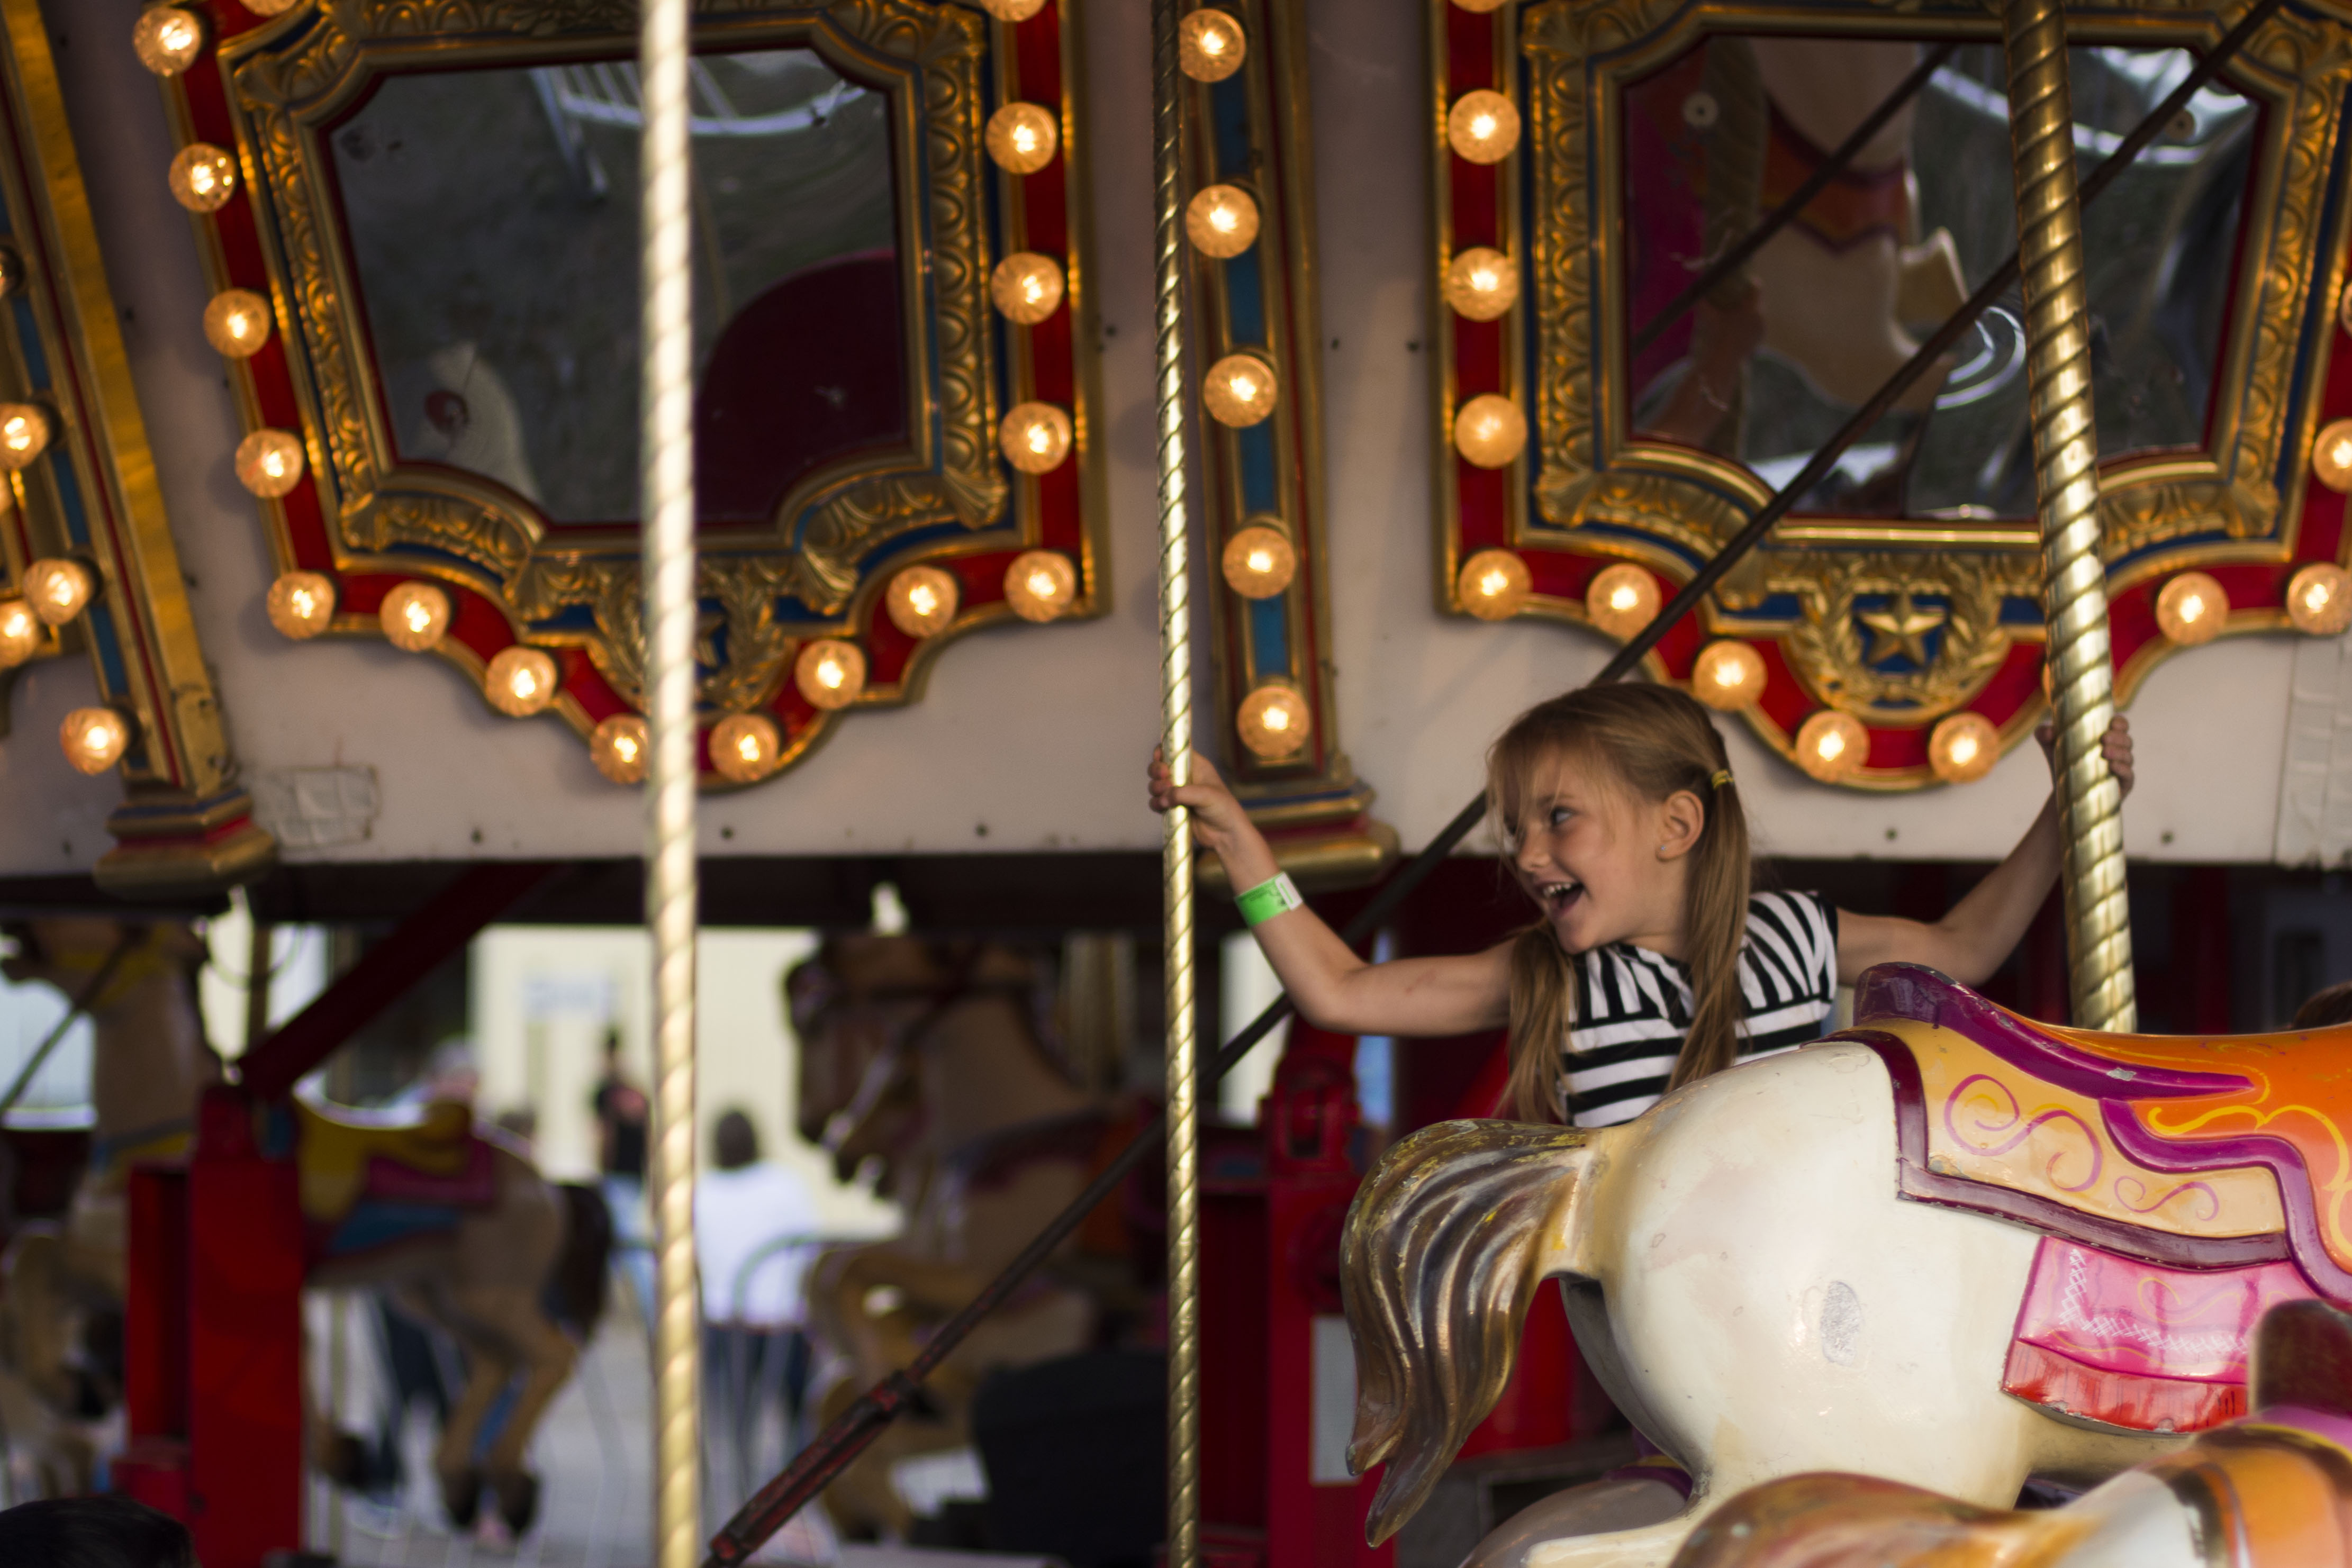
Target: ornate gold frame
{"points": [[1584, 485], [819, 569]]}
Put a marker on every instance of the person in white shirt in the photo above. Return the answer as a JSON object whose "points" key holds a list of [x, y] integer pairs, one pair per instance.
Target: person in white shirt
{"points": [[755, 1234]]}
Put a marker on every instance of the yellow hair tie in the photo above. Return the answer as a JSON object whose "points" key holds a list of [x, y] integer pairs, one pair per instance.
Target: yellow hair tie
{"points": [[1722, 775]]}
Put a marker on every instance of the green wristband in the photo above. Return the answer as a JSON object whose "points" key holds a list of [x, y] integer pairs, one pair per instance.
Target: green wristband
{"points": [[1276, 895]]}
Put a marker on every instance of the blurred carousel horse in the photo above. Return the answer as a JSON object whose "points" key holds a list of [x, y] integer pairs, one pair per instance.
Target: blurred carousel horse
{"points": [[929, 1059], [2273, 1490], [454, 1222], [1947, 1248]]}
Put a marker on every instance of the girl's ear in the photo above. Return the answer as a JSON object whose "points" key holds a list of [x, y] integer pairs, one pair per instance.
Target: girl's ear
{"points": [[1680, 819]]}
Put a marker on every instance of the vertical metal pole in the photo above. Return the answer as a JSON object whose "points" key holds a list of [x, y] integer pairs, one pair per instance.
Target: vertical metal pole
{"points": [[1176, 843], [2065, 457], [666, 455]]}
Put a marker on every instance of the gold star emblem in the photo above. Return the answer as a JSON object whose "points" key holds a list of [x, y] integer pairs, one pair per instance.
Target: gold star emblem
{"points": [[1901, 628]]}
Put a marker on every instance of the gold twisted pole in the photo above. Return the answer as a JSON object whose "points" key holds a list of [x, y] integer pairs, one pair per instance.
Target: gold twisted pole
{"points": [[1176, 840], [2065, 457], [666, 459]]}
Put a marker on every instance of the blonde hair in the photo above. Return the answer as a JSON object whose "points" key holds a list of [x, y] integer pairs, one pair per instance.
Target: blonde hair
{"points": [[1656, 742]]}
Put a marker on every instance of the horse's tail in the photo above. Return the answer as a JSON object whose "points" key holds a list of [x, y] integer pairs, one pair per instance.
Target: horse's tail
{"points": [[575, 1296], [1438, 1266]]}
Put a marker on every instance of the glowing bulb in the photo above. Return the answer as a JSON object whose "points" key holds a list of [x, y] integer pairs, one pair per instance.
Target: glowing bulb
{"points": [[1481, 284], [1022, 138], [302, 604], [94, 738], [830, 673], [2319, 599], [269, 463], [1492, 584], [745, 748], [58, 588], [1832, 746], [202, 177], [2193, 609], [1259, 562], [20, 632], [237, 323], [2331, 450], [166, 40], [1963, 747], [617, 746], [415, 616], [1489, 430], [1621, 600], [23, 434], [1272, 721], [1221, 221], [520, 681], [1483, 126], [1211, 45], [921, 601], [1241, 390], [1728, 675], [1036, 437], [1013, 10], [1041, 585]]}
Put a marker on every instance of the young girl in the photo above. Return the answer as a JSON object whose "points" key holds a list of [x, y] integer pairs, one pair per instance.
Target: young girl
{"points": [[1653, 963]]}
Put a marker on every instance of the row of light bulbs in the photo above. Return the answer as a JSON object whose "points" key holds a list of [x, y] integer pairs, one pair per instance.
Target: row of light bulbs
{"points": [[56, 590]]}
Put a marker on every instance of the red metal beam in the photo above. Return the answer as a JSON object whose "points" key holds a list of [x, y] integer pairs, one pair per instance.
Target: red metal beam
{"points": [[412, 951]]}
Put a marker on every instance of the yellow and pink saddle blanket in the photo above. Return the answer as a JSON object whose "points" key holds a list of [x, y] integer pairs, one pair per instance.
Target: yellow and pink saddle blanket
{"points": [[369, 1181], [2183, 1185]]}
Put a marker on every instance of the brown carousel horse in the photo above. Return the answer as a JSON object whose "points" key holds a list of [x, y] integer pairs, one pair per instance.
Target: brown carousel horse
{"points": [[927, 1060], [455, 1224]]}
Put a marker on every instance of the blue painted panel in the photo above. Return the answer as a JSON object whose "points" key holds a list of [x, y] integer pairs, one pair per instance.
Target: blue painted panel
{"points": [[1269, 637], [28, 336], [1245, 302], [104, 636], [1230, 125], [1259, 492]]}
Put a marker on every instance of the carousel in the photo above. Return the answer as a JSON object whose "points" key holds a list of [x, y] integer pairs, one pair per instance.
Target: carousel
{"points": [[587, 588]]}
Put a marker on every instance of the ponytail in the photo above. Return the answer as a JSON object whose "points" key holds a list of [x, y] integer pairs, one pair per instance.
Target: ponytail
{"points": [[1659, 742]]}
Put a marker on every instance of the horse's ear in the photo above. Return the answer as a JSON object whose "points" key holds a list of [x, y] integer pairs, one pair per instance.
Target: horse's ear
{"points": [[2302, 1356]]}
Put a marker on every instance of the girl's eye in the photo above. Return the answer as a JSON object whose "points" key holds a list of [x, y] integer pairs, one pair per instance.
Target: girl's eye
{"points": [[1560, 814]]}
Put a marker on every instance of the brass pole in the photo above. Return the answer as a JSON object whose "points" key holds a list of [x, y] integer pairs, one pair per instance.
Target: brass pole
{"points": [[665, 455], [2065, 457], [1176, 840]]}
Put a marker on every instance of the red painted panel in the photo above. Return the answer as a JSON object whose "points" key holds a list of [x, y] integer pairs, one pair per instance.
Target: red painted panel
{"points": [[156, 1304], [244, 1359]]}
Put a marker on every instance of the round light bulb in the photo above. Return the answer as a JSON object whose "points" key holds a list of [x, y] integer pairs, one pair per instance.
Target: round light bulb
{"points": [[1013, 10], [302, 604], [1622, 600], [1493, 584], [1259, 562], [1210, 45], [1481, 284], [1022, 138], [20, 632], [1729, 676], [60, 588], [1489, 430], [1036, 437], [1832, 746], [94, 737], [520, 681], [1480, 7], [415, 616], [203, 177], [270, 7], [830, 673], [1963, 747], [23, 434], [2331, 455], [236, 322], [269, 463], [922, 601], [1239, 389], [167, 39], [1221, 221], [1041, 585], [1483, 126], [2319, 599], [745, 747], [1027, 287], [1272, 721], [2193, 609], [618, 747]]}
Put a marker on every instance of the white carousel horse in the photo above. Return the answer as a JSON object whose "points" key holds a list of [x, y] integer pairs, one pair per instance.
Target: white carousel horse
{"points": [[456, 1225], [927, 1056], [2274, 1491], [1949, 1248]]}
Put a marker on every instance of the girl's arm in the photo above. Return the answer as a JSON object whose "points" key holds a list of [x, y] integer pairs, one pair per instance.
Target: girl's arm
{"points": [[1330, 986], [1970, 943]]}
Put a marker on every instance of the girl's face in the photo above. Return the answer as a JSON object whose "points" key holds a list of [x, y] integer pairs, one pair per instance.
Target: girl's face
{"points": [[1605, 865]]}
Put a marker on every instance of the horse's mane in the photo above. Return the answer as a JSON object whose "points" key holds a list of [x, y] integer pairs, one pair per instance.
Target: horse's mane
{"points": [[1438, 1266]]}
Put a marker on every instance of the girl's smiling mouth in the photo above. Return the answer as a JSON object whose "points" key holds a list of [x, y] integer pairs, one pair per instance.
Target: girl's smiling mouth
{"points": [[1559, 895]]}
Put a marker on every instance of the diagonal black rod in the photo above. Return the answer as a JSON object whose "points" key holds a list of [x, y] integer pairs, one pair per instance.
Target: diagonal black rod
{"points": [[1781, 216], [855, 1429]]}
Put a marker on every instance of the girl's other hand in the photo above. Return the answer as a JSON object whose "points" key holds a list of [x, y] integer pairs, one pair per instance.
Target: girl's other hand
{"points": [[1218, 820], [2116, 746]]}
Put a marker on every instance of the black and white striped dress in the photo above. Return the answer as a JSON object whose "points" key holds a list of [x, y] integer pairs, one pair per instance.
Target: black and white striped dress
{"points": [[1633, 1006]]}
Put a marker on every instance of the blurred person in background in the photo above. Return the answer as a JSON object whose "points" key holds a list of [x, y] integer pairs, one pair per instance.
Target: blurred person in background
{"points": [[622, 1116], [755, 1231]]}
